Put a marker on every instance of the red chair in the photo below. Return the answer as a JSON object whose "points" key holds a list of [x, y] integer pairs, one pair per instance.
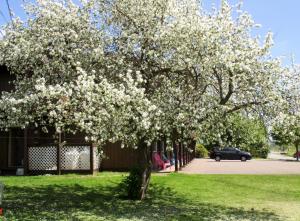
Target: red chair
{"points": [[158, 162]]}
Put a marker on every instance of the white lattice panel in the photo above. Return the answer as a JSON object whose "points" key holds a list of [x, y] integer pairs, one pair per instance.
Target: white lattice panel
{"points": [[42, 158], [96, 158], [75, 158]]}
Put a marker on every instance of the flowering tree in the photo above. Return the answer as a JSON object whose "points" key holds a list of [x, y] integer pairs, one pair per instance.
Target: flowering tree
{"points": [[197, 65], [58, 60], [63, 78], [134, 70], [286, 127]]}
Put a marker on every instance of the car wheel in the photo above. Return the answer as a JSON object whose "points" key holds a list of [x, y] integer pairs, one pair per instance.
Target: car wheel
{"points": [[243, 158], [218, 158]]}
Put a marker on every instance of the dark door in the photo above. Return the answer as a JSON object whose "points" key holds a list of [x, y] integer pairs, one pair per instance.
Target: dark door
{"points": [[16, 148], [234, 154], [4, 139], [226, 154], [230, 154]]}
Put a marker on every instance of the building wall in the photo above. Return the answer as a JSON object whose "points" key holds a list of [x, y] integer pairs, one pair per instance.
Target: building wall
{"points": [[120, 159], [5, 85], [3, 150], [36, 137]]}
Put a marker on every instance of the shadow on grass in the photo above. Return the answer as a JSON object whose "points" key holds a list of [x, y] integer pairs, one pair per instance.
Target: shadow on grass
{"points": [[76, 202]]}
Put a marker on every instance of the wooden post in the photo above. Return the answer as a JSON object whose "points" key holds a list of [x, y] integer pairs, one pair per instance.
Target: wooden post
{"points": [[297, 151], [91, 159], [160, 148], [175, 152], [58, 152], [9, 148], [188, 157], [185, 155], [167, 153], [26, 155], [180, 154], [164, 144], [194, 149], [189, 153]]}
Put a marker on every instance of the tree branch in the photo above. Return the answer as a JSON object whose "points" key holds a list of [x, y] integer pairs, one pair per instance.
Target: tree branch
{"points": [[241, 106], [9, 10], [220, 82], [230, 90]]}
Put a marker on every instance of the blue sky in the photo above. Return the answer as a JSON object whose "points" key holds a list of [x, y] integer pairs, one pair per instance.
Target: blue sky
{"points": [[282, 17]]}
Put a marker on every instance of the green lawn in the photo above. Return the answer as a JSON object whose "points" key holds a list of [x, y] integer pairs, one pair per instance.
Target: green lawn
{"points": [[171, 197]]}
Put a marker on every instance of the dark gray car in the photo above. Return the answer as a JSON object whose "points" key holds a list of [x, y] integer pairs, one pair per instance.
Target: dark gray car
{"points": [[230, 153]]}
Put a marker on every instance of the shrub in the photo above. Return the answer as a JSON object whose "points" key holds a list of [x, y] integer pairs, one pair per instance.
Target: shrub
{"points": [[201, 151], [132, 183], [263, 152], [260, 151]]}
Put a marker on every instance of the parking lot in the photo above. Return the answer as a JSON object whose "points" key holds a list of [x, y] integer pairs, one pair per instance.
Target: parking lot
{"points": [[209, 166]]}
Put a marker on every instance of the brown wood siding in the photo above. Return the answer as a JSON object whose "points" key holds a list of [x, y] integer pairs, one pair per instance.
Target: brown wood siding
{"points": [[77, 138], [3, 150], [17, 147], [36, 137], [120, 159]]}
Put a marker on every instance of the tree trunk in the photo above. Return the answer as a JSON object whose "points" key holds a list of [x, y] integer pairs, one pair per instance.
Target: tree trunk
{"points": [[297, 152], [184, 155], [146, 173], [180, 155], [175, 148], [175, 153]]}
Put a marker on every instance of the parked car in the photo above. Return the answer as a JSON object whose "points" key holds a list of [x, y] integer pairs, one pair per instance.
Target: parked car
{"points": [[229, 153], [297, 153]]}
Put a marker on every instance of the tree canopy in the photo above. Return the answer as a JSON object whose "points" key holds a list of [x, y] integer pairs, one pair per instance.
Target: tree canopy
{"points": [[133, 70], [286, 127]]}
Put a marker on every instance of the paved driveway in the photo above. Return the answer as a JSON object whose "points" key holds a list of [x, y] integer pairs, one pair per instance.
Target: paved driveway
{"points": [[279, 156], [209, 166]]}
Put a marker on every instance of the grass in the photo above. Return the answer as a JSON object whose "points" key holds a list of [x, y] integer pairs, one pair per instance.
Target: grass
{"points": [[171, 197]]}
